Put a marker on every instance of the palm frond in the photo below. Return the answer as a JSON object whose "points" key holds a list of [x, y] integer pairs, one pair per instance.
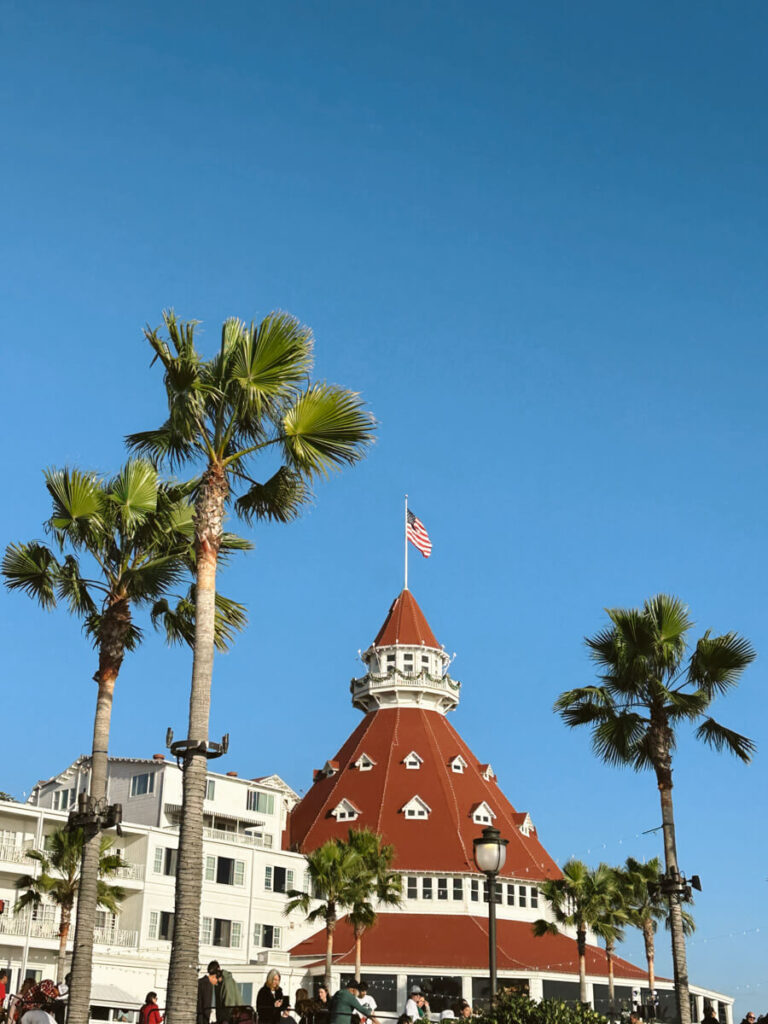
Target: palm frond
{"points": [[163, 446], [721, 738], [325, 429], [280, 499], [718, 661], [178, 621], [72, 588], [148, 581], [77, 500], [615, 739], [33, 569], [133, 492]]}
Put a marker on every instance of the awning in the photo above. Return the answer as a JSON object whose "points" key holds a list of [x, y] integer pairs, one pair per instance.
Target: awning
{"points": [[111, 995], [241, 818]]}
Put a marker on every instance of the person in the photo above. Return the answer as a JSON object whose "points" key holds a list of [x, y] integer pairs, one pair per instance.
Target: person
{"points": [[210, 1005], [3, 987], [321, 1007], [749, 1018], [710, 1017], [345, 1003], [17, 1004], [366, 1000], [271, 1004], [413, 1005], [150, 1011]]}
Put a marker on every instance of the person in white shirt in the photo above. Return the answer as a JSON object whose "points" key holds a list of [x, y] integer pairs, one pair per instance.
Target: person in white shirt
{"points": [[367, 1000], [415, 1000]]}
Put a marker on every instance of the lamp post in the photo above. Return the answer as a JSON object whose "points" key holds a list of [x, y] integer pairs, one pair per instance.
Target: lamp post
{"points": [[490, 852]]}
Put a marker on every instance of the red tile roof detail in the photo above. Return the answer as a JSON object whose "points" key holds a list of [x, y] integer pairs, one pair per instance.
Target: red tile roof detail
{"points": [[405, 624], [443, 842], [461, 942]]}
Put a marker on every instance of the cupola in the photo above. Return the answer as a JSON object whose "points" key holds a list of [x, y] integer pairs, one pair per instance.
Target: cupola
{"points": [[406, 665]]}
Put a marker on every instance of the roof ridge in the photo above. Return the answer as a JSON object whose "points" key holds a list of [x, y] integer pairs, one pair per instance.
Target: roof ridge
{"points": [[392, 746], [446, 775]]}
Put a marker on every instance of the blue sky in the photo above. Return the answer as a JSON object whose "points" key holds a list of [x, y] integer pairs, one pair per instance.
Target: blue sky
{"points": [[533, 236]]}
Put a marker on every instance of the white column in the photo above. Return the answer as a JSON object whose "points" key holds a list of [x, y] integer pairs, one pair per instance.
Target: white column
{"points": [[536, 988], [402, 994], [466, 988], [699, 1006]]}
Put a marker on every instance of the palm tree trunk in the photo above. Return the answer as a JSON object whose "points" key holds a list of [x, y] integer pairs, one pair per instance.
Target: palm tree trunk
{"points": [[185, 949], [114, 631], [358, 954], [64, 926], [609, 950], [650, 953], [330, 928], [581, 939], [679, 959]]}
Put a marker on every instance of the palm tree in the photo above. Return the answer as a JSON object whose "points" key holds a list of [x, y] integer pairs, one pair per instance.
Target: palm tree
{"points": [[376, 881], [123, 543], [649, 688], [59, 880], [646, 906], [578, 899], [334, 872], [610, 928], [253, 398]]}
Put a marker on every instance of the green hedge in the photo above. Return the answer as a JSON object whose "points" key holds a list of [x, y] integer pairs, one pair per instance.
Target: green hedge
{"points": [[519, 1009]]}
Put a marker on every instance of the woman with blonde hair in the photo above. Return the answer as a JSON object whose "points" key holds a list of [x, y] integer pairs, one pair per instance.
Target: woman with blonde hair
{"points": [[271, 1005]]}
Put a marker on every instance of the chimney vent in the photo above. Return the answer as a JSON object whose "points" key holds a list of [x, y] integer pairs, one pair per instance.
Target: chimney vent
{"points": [[158, 757], [232, 775]]}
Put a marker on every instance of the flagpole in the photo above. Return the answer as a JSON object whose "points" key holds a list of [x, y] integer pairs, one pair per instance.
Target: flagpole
{"points": [[405, 534]]}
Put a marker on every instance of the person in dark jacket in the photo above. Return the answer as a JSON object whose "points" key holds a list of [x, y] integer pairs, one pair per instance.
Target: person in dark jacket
{"points": [[210, 1005], [271, 1004]]}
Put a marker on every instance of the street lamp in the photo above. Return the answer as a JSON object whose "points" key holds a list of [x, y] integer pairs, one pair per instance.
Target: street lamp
{"points": [[490, 852]]}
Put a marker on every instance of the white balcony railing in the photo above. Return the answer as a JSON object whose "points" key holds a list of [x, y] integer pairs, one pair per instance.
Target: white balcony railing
{"points": [[131, 871], [14, 854], [115, 937], [240, 838], [22, 925]]}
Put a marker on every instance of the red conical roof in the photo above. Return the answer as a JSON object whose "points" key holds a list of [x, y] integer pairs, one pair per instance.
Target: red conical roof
{"points": [[405, 624], [443, 840]]}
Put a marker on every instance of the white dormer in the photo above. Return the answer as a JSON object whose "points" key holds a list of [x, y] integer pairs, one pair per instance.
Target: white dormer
{"points": [[487, 772], [346, 811], [526, 826], [458, 764], [330, 768], [482, 814], [413, 761], [416, 808], [364, 763]]}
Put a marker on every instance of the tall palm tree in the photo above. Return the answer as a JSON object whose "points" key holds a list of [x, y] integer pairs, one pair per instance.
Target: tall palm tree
{"points": [[334, 871], [578, 899], [650, 686], [253, 398], [376, 885], [59, 880], [119, 544]]}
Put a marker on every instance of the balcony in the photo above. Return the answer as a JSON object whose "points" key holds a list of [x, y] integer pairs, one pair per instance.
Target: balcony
{"points": [[115, 937], [405, 689], [131, 872], [14, 854], [23, 925], [240, 838]]}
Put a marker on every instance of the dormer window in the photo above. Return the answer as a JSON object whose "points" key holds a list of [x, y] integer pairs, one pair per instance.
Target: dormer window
{"points": [[458, 764], [416, 808], [330, 768], [346, 811], [482, 814], [413, 761], [487, 772], [526, 826], [364, 763]]}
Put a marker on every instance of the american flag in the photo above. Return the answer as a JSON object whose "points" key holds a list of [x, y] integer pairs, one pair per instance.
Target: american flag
{"points": [[417, 535]]}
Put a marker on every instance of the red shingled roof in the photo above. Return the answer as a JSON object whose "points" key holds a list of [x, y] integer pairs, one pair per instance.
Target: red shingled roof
{"points": [[444, 940], [443, 842], [405, 624]]}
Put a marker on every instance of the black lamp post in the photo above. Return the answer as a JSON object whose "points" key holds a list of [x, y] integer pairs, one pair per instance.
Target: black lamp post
{"points": [[490, 852]]}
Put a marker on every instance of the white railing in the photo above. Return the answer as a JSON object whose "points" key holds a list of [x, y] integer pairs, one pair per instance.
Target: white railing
{"points": [[23, 926], [240, 838], [134, 871], [419, 680], [14, 854], [115, 937]]}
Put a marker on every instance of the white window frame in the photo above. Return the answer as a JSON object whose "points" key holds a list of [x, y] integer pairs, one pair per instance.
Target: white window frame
{"points": [[413, 761], [364, 763], [458, 764], [150, 777], [210, 789], [206, 931], [417, 809], [154, 924], [482, 814], [159, 864]]}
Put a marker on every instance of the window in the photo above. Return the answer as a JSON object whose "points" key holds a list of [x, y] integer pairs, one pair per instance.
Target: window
{"points": [[225, 871], [345, 811], [267, 935], [105, 920], [442, 888], [222, 931], [534, 896], [474, 889], [426, 888], [364, 763], [390, 659], [413, 888], [413, 761], [246, 991], [510, 895], [63, 798], [425, 659], [142, 784], [210, 789], [521, 900], [458, 888], [416, 808], [482, 814], [277, 879], [161, 925], [216, 931], [458, 764], [262, 803], [166, 861]]}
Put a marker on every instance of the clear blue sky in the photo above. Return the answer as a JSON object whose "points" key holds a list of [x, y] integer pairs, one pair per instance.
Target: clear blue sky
{"points": [[534, 236]]}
